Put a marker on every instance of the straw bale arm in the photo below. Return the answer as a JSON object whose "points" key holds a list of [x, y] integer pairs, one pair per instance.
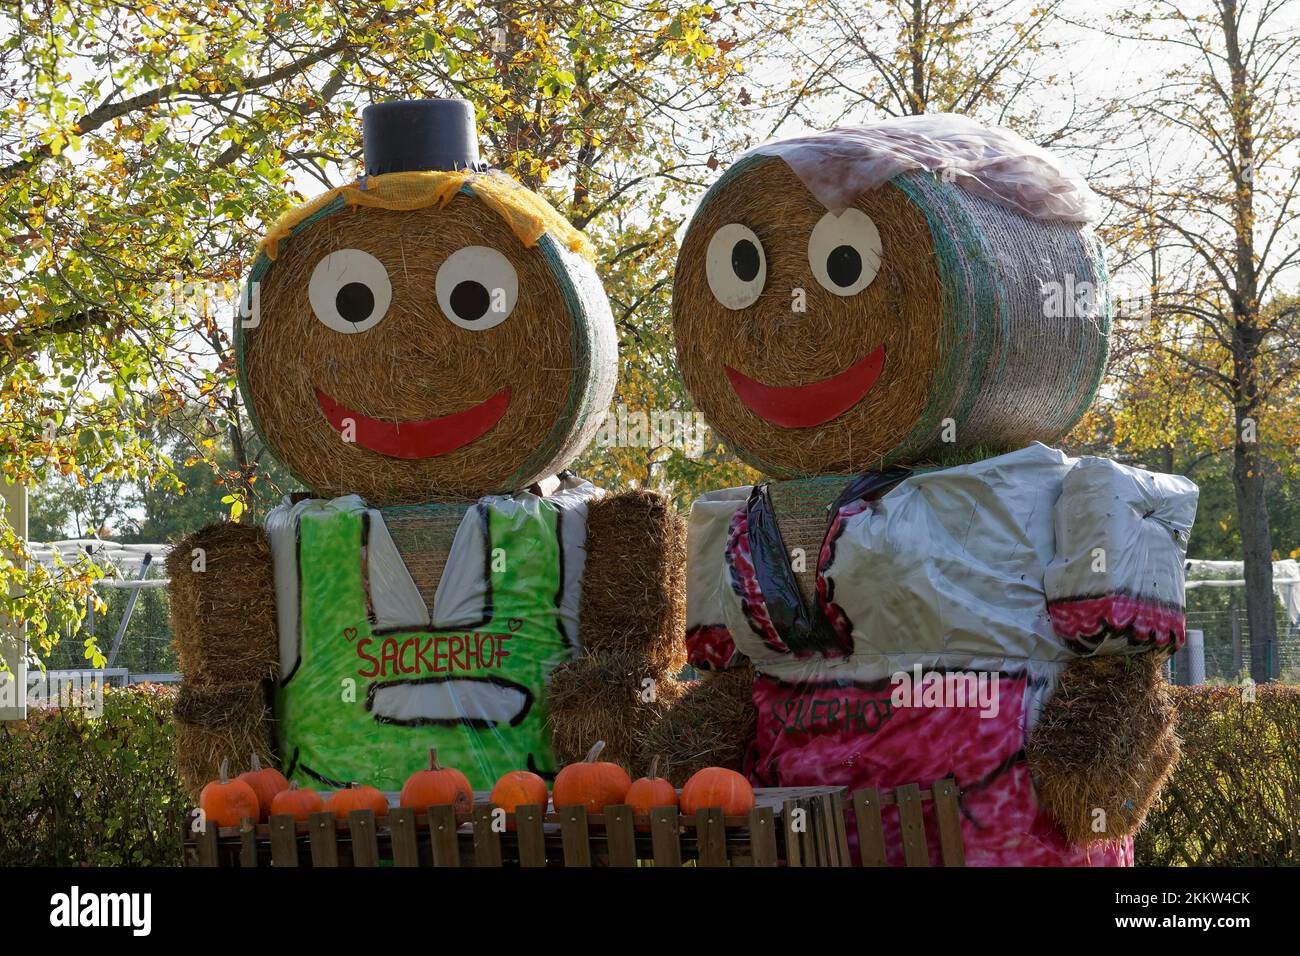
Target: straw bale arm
{"points": [[222, 595], [631, 621], [222, 598], [634, 580], [1104, 745]]}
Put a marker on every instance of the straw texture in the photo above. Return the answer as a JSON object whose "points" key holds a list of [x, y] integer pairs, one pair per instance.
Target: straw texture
{"points": [[710, 726], [775, 345], [631, 624], [223, 617], [423, 535], [634, 581], [1106, 741], [963, 304], [604, 697], [802, 511], [555, 353], [216, 722], [224, 626]]}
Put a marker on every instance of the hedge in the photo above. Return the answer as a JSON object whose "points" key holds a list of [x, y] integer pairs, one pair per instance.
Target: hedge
{"points": [[1234, 799], [77, 790]]}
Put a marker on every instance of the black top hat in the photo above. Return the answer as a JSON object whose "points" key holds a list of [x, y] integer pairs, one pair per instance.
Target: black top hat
{"points": [[420, 135]]}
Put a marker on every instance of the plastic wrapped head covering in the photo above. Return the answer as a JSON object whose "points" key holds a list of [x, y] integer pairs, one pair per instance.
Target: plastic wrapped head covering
{"points": [[841, 164], [527, 213]]}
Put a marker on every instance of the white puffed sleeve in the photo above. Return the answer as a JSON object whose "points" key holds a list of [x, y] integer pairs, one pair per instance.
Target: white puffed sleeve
{"points": [[709, 645], [1116, 583]]}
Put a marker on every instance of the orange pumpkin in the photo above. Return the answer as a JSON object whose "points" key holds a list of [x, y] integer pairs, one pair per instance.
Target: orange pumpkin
{"points": [[227, 802], [266, 783], [718, 788], [591, 783], [649, 792], [437, 787], [297, 803], [518, 788], [343, 802]]}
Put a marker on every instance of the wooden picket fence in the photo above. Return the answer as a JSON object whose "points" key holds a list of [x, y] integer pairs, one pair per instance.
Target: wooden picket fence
{"points": [[868, 805], [791, 826]]}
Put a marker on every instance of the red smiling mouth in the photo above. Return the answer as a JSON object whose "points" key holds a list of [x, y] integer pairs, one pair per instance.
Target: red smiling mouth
{"points": [[421, 439], [806, 406]]}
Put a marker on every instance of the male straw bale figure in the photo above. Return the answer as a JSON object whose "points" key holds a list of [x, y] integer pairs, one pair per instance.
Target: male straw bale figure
{"points": [[426, 350]]}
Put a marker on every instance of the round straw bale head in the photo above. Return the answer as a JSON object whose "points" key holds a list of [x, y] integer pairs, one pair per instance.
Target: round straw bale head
{"points": [[410, 354], [921, 320]]}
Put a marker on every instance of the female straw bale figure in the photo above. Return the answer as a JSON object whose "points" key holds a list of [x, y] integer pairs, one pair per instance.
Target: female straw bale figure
{"points": [[892, 323]]}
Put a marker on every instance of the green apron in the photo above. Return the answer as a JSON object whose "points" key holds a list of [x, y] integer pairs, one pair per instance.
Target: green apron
{"points": [[337, 717]]}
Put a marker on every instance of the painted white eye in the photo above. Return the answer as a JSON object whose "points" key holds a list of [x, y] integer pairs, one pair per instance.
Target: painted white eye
{"points": [[736, 266], [844, 251], [349, 291], [477, 288]]}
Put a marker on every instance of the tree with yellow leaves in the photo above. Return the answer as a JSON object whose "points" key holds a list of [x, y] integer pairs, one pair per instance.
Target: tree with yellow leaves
{"points": [[1213, 227], [144, 147]]}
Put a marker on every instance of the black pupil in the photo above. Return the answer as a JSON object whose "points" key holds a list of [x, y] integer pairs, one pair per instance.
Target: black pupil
{"points": [[744, 260], [844, 265], [470, 300], [355, 302]]}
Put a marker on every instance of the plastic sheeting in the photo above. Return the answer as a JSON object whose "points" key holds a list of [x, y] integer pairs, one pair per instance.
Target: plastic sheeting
{"points": [[1121, 536], [946, 571], [950, 569], [1286, 580], [794, 625], [841, 164]]}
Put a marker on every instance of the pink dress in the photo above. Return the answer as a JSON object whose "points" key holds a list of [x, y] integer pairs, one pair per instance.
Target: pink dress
{"points": [[913, 599]]}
